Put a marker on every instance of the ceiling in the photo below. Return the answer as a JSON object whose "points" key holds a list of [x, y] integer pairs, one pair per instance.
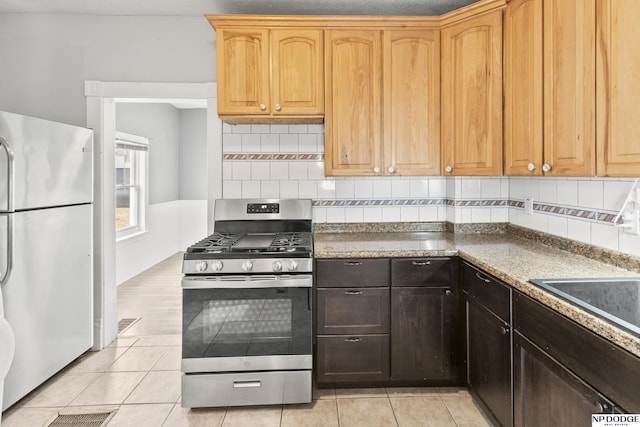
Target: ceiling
{"points": [[262, 7]]}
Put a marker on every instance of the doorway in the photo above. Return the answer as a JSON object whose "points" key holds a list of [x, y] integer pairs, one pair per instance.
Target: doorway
{"points": [[102, 99]]}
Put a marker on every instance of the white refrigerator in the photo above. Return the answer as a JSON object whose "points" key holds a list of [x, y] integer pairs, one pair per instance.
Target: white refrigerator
{"points": [[46, 195]]}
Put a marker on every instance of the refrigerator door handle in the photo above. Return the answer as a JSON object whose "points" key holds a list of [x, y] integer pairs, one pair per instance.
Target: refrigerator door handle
{"points": [[10, 161], [9, 266]]}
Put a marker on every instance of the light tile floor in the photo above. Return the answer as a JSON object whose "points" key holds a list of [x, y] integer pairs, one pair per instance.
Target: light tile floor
{"points": [[138, 376]]}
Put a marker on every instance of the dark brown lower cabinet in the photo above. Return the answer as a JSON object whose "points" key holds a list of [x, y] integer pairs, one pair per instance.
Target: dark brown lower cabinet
{"points": [[547, 394], [489, 361], [423, 334], [349, 359]]}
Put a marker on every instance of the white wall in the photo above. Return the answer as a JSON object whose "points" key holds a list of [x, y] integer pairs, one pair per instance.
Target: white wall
{"points": [[287, 161], [193, 154], [47, 58]]}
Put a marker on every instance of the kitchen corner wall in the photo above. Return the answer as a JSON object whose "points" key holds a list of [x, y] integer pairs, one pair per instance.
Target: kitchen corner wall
{"points": [[286, 161]]}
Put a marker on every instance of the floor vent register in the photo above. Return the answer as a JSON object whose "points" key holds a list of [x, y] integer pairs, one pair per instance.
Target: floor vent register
{"points": [[95, 419], [124, 324]]}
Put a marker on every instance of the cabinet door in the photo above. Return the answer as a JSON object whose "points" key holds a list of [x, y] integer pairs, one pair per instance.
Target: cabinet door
{"points": [[472, 96], [422, 334], [412, 102], [297, 72], [569, 87], [353, 116], [523, 88], [243, 71], [547, 394], [489, 361], [618, 86]]}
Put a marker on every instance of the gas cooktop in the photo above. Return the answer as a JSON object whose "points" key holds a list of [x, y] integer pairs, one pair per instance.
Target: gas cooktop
{"points": [[252, 244]]}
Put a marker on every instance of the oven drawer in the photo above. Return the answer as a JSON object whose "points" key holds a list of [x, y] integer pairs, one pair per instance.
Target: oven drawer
{"points": [[353, 311], [352, 273], [352, 358], [237, 389]]}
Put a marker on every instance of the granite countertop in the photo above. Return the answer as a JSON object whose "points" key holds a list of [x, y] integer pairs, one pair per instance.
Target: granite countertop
{"points": [[511, 258]]}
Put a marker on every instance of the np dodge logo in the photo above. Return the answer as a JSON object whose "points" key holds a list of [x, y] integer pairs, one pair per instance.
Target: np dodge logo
{"points": [[615, 420]]}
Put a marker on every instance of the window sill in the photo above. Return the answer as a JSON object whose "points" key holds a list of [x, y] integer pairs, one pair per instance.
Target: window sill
{"points": [[129, 235]]}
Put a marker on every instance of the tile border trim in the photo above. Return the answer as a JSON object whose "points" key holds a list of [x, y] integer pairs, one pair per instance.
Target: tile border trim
{"points": [[571, 212]]}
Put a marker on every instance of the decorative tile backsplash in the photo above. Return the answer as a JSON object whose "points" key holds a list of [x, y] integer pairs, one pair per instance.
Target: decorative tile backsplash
{"points": [[286, 161]]}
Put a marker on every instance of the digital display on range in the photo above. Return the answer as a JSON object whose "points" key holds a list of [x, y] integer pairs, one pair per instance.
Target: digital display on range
{"points": [[263, 208]]}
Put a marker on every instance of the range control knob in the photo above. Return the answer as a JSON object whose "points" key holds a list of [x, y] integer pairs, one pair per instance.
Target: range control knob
{"points": [[217, 265], [201, 266], [293, 266], [247, 265], [277, 266]]}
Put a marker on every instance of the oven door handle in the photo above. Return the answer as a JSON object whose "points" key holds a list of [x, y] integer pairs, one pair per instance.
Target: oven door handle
{"points": [[248, 282]]}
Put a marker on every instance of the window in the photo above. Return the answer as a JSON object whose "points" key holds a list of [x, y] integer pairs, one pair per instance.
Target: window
{"points": [[131, 153]]}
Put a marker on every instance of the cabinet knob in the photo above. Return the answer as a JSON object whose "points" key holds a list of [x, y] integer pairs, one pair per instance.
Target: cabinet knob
{"points": [[448, 292], [531, 167], [263, 107], [448, 169], [546, 167], [504, 330], [376, 170], [278, 107], [391, 169]]}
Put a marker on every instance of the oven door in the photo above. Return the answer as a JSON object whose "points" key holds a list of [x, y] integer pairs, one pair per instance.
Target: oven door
{"points": [[246, 323]]}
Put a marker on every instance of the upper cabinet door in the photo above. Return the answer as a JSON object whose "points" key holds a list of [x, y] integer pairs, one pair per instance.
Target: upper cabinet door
{"points": [[353, 119], [412, 102], [472, 96], [243, 71], [618, 86], [523, 143], [297, 72], [555, 136], [569, 87]]}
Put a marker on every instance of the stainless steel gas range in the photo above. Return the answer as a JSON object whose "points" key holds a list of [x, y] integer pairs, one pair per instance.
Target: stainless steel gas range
{"points": [[247, 300]]}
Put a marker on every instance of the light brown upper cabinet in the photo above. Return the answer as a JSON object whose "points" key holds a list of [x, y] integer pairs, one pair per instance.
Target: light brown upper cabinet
{"points": [[411, 73], [270, 75], [472, 95], [549, 84], [618, 87], [353, 104], [382, 102]]}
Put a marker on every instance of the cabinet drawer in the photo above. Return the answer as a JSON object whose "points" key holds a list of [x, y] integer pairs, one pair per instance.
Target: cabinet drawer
{"points": [[610, 369], [413, 272], [352, 273], [487, 291], [353, 311], [353, 358]]}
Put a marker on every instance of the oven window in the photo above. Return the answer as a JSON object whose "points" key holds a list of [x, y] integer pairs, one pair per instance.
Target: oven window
{"points": [[246, 322]]}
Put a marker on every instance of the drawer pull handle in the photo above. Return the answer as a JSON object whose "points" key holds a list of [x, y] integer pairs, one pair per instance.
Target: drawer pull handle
{"points": [[352, 263], [353, 292], [247, 384], [420, 263], [352, 339], [484, 279]]}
